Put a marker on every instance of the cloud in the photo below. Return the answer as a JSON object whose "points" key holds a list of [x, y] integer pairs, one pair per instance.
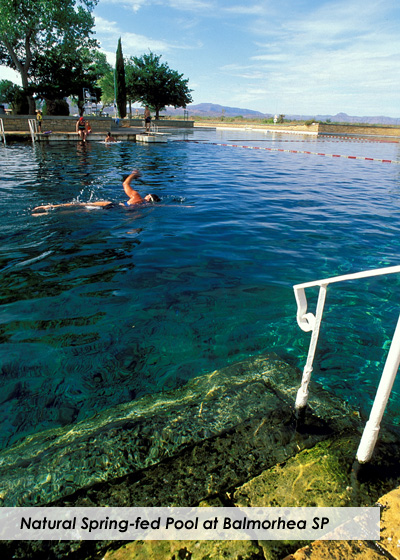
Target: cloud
{"points": [[10, 74], [133, 44], [181, 5], [340, 51], [133, 5], [191, 5], [255, 9]]}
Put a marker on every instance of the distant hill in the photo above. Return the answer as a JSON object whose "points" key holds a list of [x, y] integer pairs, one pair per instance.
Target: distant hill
{"points": [[344, 118], [214, 110]]}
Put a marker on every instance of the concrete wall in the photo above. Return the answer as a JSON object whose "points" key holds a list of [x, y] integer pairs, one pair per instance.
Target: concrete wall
{"points": [[165, 123], [19, 123], [310, 129], [357, 130], [13, 123], [333, 129]]}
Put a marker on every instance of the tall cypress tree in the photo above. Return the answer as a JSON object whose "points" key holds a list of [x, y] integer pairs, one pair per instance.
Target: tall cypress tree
{"points": [[120, 87]]}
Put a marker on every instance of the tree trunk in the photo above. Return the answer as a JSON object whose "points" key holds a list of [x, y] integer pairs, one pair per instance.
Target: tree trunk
{"points": [[23, 68]]}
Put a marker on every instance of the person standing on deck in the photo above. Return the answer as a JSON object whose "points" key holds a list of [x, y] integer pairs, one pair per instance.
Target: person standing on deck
{"points": [[147, 118], [39, 119]]}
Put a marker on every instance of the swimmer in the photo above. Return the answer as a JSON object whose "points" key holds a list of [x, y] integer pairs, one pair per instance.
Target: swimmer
{"points": [[109, 138], [134, 198]]}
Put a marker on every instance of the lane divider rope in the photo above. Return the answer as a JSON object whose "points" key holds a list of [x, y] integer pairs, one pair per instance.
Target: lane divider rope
{"points": [[298, 152]]}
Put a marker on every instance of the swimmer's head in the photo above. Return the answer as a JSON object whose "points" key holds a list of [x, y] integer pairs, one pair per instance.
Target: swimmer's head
{"points": [[152, 198]]}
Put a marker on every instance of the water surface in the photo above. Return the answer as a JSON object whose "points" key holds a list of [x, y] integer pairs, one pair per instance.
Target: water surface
{"points": [[99, 307]]}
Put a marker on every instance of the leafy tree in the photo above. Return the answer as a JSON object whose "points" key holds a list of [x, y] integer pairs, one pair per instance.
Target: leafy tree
{"points": [[7, 91], [13, 94], [120, 85], [66, 74], [32, 29], [106, 84], [155, 84], [56, 107]]}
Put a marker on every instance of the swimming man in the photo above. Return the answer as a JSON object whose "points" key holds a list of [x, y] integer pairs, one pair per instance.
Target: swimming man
{"points": [[134, 198]]}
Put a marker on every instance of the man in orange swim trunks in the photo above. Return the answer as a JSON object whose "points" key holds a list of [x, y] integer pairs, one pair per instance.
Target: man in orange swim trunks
{"points": [[134, 198]]}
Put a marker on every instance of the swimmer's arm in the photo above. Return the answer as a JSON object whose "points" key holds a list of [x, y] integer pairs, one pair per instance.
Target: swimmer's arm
{"points": [[134, 196]]}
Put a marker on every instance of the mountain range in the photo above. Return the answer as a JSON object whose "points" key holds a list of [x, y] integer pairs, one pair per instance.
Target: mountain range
{"points": [[217, 111]]}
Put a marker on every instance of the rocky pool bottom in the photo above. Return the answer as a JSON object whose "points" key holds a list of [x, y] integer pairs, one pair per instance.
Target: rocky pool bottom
{"points": [[228, 438]]}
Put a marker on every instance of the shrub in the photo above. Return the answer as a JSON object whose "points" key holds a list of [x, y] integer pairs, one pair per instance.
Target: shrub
{"points": [[19, 104], [57, 107]]}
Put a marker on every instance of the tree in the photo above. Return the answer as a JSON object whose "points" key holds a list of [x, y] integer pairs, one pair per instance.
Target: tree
{"points": [[155, 84], [13, 94], [68, 73], [120, 86], [106, 84], [7, 91], [29, 30]]}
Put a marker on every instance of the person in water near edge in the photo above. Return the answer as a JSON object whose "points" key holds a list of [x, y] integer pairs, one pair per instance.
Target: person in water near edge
{"points": [[134, 198]]}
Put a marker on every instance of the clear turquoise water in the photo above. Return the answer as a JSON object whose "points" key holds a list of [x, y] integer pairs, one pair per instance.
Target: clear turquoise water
{"points": [[100, 307]]}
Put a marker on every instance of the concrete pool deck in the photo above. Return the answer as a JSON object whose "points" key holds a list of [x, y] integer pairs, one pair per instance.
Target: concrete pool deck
{"points": [[225, 439], [315, 129], [121, 134]]}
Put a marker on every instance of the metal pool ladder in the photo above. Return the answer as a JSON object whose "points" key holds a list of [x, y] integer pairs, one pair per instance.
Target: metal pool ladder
{"points": [[2, 134], [33, 128], [309, 322]]}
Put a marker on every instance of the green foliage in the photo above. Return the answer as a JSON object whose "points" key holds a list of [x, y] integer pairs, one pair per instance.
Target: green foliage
{"points": [[19, 104], [34, 33], [66, 74], [57, 107], [281, 119], [14, 95], [7, 91], [120, 85], [155, 84], [106, 85]]}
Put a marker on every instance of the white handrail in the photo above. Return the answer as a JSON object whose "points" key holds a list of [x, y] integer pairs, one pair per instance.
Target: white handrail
{"points": [[309, 322], [33, 128], [2, 131]]}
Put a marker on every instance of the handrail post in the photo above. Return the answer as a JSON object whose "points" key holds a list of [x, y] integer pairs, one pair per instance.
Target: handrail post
{"points": [[2, 133], [372, 427], [307, 322], [315, 322], [33, 128]]}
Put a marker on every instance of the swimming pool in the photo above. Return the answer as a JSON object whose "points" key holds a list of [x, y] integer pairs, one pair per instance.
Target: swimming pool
{"points": [[102, 306]]}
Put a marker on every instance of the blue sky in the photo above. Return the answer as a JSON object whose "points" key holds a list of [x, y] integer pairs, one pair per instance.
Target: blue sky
{"points": [[289, 56]]}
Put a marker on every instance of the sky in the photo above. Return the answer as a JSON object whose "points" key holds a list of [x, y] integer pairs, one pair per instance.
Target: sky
{"points": [[303, 57]]}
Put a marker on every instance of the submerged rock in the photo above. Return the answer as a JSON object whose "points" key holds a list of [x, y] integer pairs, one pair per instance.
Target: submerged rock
{"points": [[251, 402]]}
